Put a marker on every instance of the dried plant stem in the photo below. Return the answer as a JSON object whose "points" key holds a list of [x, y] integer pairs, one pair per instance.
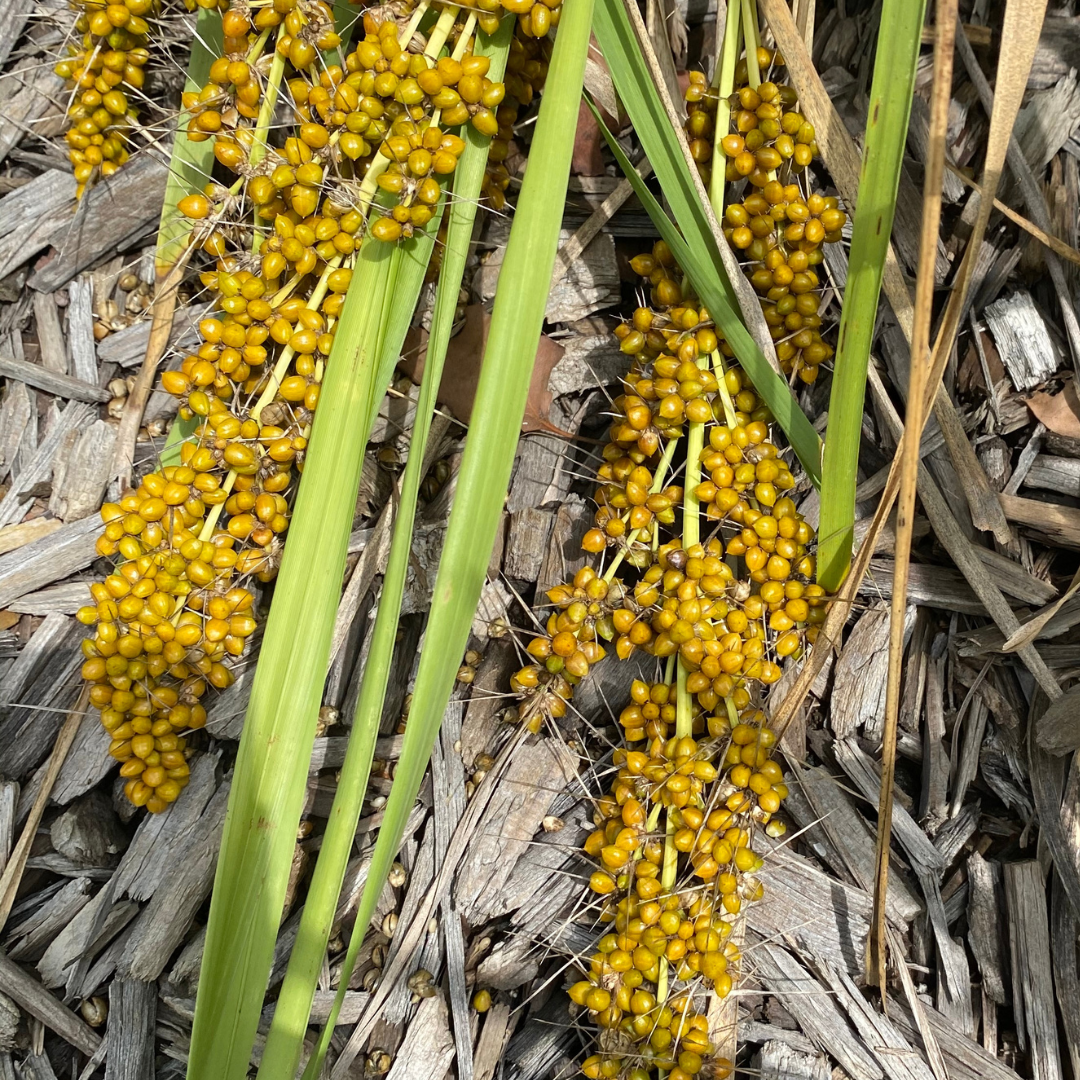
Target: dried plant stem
{"points": [[915, 419]]}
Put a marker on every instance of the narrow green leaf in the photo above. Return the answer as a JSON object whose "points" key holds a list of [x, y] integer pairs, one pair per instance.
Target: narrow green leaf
{"points": [[284, 1044], [895, 60], [516, 322], [192, 162], [701, 257], [279, 729], [803, 438]]}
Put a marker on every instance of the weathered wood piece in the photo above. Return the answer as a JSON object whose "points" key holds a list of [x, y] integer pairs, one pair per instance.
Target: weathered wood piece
{"points": [[81, 474], [15, 503], [821, 915], [32, 997], [985, 924], [112, 215], [815, 1011], [829, 809], [1032, 975], [52, 382], [89, 832], [50, 335], [166, 919], [858, 696], [780, 1061], [132, 1013], [28, 939], [1022, 340], [536, 774], [32, 215], [493, 1036], [15, 414], [128, 346], [47, 560], [80, 329]]}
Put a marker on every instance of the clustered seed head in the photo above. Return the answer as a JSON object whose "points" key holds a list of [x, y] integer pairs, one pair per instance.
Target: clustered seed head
{"points": [[194, 540], [776, 229], [717, 787], [104, 64], [388, 112]]}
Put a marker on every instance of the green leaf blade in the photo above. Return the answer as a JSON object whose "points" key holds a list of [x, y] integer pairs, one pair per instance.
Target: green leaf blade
{"points": [[284, 1044], [279, 729], [895, 60], [499, 406]]}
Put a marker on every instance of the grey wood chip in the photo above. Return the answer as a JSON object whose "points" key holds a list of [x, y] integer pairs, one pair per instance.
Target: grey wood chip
{"points": [[132, 1015], [28, 940], [535, 775], [80, 329], [13, 18], [52, 382], [44, 561], [863, 772], [986, 924], [814, 1010], [161, 838], [1058, 729], [527, 542], [1033, 993], [429, 1046], [14, 417], [110, 217], [852, 841], [1050, 473], [31, 660], [127, 347], [164, 922], [858, 696], [31, 996], [778, 1060], [1064, 930], [820, 914], [493, 1035], [14, 504], [81, 475], [1022, 340], [89, 832], [32, 215], [63, 599]]}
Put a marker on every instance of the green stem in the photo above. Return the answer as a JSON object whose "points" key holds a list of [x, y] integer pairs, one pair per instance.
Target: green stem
{"points": [[659, 477], [725, 84], [750, 33]]}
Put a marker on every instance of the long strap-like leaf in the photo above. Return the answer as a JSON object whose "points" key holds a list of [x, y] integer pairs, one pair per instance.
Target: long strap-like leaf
{"points": [[285, 1041], [279, 729], [895, 59], [489, 451]]}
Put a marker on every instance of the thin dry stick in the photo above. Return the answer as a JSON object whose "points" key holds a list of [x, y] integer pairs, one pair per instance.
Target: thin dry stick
{"points": [[13, 872], [945, 28], [1019, 38], [1054, 243], [163, 309], [590, 228]]}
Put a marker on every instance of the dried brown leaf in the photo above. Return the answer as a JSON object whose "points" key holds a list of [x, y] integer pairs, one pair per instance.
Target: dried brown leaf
{"points": [[1060, 412]]}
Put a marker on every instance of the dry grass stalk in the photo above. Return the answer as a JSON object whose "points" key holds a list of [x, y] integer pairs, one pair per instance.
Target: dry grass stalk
{"points": [[918, 392]]}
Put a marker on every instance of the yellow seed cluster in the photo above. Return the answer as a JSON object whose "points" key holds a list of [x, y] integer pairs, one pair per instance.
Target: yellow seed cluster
{"points": [[774, 227], [104, 66], [193, 540], [673, 839], [696, 781]]}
